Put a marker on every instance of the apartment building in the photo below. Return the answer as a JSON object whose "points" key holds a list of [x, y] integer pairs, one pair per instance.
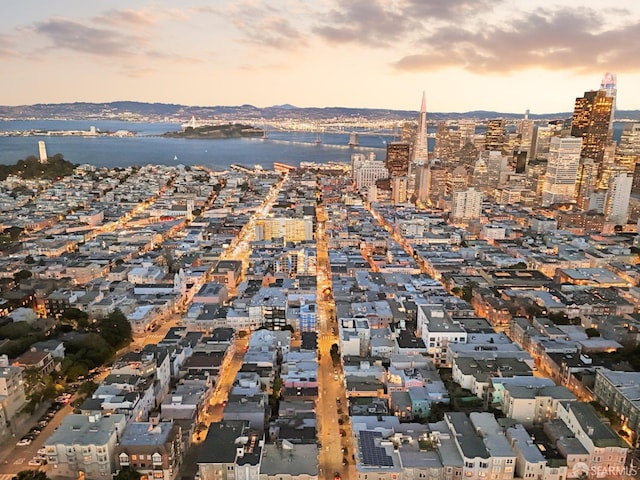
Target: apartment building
{"points": [[84, 446]]}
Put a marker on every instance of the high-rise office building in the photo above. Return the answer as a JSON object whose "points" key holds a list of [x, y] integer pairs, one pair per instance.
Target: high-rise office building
{"points": [[524, 132], [398, 158], [421, 148], [609, 85], [467, 131], [534, 178], [366, 170], [618, 195], [628, 150], [447, 142], [562, 170], [542, 137], [519, 161], [592, 123], [496, 135], [399, 189], [480, 174], [489, 171], [457, 179], [586, 182], [437, 181], [635, 186]]}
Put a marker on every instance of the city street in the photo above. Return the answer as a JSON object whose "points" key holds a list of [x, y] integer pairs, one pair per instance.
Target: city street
{"points": [[14, 459], [332, 409]]}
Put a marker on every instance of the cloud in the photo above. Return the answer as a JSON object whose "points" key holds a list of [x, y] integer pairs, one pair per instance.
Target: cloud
{"points": [[449, 10], [261, 25], [275, 32], [382, 23], [126, 18], [116, 42], [70, 35], [561, 39], [371, 22]]}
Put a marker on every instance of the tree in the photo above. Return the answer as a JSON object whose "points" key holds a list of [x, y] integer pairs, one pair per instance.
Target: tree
{"points": [[335, 354], [13, 232], [127, 473], [87, 388], [77, 317], [115, 329], [21, 275], [519, 266], [592, 332], [467, 291], [31, 475]]}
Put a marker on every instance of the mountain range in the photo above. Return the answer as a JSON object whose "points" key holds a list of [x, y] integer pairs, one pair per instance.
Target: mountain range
{"points": [[173, 112]]}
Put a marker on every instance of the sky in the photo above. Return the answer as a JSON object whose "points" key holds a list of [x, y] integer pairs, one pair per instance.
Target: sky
{"points": [[501, 55]]}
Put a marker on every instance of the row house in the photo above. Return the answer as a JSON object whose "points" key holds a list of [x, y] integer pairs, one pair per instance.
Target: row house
{"points": [[154, 450]]}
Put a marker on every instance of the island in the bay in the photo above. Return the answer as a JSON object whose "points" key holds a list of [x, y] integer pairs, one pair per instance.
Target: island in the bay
{"points": [[229, 130]]}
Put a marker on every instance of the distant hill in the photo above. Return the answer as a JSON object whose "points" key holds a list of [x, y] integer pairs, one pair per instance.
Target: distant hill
{"points": [[141, 111]]}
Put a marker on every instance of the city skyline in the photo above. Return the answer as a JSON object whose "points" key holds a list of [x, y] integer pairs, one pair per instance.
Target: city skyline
{"points": [[501, 55]]}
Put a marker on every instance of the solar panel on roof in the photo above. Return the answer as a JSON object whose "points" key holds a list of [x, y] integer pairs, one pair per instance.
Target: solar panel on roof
{"points": [[371, 453]]}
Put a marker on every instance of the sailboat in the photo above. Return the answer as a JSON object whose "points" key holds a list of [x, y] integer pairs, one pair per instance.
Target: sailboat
{"points": [[175, 158], [318, 141], [265, 135]]}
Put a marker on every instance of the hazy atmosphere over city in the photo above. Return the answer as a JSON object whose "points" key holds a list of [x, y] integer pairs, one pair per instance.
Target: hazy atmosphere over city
{"points": [[320, 240], [501, 55]]}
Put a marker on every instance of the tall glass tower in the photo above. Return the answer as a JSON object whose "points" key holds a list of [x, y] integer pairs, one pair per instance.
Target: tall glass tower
{"points": [[592, 122]]}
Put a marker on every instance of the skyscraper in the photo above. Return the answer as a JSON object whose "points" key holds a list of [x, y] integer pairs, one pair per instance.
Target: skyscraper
{"points": [[398, 157], [586, 182], [422, 182], [421, 148], [628, 150], [399, 189], [496, 135], [608, 84], [592, 122], [618, 195], [435, 182], [562, 170], [447, 142]]}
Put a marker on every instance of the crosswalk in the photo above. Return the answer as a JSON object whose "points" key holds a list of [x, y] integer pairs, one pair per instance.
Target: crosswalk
{"points": [[6, 476]]}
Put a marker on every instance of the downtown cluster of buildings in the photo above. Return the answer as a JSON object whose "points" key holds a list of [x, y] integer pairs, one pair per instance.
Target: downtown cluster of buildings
{"points": [[566, 166]]}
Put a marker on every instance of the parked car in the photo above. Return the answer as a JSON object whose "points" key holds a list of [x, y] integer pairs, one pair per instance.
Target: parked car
{"points": [[42, 451], [24, 442], [35, 462]]}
